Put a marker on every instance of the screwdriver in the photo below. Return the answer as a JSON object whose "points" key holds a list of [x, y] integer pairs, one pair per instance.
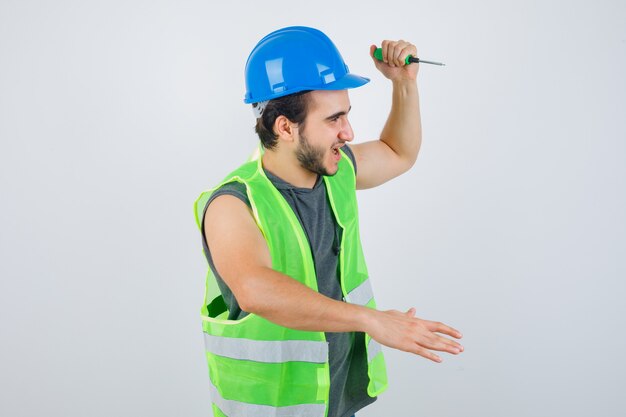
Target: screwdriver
{"points": [[378, 54]]}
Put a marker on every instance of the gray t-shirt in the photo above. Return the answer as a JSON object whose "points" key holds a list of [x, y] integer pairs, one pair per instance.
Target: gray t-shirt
{"points": [[347, 355]]}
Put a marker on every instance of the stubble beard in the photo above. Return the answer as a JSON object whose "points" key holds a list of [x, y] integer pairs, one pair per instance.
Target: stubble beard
{"points": [[311, 158]]}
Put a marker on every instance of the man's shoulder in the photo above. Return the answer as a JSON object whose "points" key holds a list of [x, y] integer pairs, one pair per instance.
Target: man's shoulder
{"points": [[234, 188], [234, 184]]}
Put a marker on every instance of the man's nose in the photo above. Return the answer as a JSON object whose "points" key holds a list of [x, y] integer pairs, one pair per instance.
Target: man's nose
{"points": [[346, 132]]}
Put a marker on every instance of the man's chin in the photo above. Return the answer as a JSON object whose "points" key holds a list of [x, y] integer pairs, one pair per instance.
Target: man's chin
{"points": [[331, 172]]}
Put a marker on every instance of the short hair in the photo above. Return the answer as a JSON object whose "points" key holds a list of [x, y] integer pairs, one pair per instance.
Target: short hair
{"points": [[293, 106]]}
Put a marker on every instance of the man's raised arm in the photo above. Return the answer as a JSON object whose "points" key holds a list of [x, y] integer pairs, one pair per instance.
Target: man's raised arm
{"points": [[400, 140]]}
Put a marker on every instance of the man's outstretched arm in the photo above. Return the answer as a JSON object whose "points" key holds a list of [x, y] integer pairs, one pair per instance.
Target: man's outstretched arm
{"points": [[242, 258], [400, 140]]}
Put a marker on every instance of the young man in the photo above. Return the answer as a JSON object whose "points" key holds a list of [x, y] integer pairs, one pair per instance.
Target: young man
{"points": [[291, 326]]}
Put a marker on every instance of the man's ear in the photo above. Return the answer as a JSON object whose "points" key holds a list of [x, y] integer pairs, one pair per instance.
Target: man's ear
{"points": [[285, 129]]}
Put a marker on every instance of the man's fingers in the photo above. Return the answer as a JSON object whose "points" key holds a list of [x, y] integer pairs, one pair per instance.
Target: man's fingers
{"points": [[452, 344], [400, 52], [407, 50], [438, 345], [435, 326], [426, 354], [447, 345], [397, 51], [432, 340], [385, 47]]}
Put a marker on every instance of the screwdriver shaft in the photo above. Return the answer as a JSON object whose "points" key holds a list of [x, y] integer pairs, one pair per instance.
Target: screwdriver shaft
{"points": [[422, 61]]}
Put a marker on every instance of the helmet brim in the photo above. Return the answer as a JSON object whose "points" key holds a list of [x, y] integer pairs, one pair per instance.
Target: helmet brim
{"points": [[346, 82]]}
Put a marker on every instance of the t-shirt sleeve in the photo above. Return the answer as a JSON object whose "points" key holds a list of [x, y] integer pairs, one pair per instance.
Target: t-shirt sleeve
{"points": [[350, 154], [234, 188], [238, 190]]}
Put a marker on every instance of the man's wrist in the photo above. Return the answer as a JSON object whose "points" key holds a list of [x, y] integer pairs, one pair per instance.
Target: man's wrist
{"points": [[364, 318], [404, 84]]}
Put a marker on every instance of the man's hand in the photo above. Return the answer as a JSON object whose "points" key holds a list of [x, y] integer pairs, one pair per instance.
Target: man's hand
{"points": [[394, 54], [406, 332]]}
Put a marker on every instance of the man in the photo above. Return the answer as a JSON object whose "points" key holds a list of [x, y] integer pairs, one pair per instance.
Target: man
{"points": [[290, 323]]}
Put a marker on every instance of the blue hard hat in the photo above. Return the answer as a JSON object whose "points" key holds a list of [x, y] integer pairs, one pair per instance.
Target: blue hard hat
{"points": [[294, 59]]}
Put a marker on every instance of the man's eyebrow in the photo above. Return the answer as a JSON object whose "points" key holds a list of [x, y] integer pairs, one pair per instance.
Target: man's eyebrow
{"points": [[338, 114]]}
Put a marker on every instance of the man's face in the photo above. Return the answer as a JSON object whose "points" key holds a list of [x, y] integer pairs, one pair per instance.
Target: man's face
{"points": [[326, 130]]}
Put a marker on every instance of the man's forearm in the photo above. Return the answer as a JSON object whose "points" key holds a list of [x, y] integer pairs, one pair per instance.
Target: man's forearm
{"points": [[403, 129], [287, 302]]}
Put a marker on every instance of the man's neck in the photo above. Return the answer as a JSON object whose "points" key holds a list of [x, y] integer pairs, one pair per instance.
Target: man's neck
{"points": [[288, 169]]}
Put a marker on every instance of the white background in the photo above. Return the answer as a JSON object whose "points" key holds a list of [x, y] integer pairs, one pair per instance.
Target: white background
{"points": [[115, 115]]}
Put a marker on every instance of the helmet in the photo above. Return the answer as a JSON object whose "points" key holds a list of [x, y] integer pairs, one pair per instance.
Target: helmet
{"points": [[294, 59]]}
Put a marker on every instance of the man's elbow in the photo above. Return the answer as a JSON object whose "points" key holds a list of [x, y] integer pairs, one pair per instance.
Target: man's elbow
{"points": [[246, 299], [407, 162], [406, 157], [250, 294]]}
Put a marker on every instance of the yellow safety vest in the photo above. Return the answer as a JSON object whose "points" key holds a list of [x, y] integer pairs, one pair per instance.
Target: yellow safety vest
{"points": [[258, 368]]}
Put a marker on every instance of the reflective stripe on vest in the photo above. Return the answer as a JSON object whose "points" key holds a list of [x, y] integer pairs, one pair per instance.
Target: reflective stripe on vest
{"points": [[373, 349], [234, 408], [270, 351], [362, 294]]}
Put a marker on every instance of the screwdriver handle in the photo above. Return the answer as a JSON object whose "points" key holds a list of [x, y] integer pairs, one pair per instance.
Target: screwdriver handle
{"points": [[378, 54]]}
